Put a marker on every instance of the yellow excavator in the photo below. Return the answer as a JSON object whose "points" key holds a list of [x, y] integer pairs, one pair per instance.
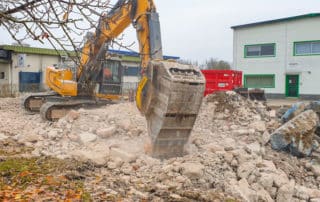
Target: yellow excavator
{"points": [[169, 94]]}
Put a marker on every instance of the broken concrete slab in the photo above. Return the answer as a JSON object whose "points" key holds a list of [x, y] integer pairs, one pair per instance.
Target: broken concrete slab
{"points": [[286, 192], [87, 137], [315, 106], [259, 126], [106, 132], [121, 154], [297, 134], [192, 170], [98, 158], [3, 137]]}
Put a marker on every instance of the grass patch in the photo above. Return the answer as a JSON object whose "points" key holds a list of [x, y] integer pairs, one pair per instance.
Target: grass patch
{"points": [[40, 178]]}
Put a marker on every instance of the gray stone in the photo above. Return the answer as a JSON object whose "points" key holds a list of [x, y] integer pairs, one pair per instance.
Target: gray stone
{"points": [[33, 138], [315, 106], [228, 157], [192, 170], [98, 158], [245, 191], [121, 154], [115, 163], [273, 113], [259, 126], [301, 192], [125, 124], [254, 148], [297, 134], [266, 138], [261, 193], [305, 193], [87, 137], [242, 132], [280, 178], [266, 180], [285, 193], [245, 169], [316, 170], [3, 137], [53, 134], [106, 132], [213, 147]]}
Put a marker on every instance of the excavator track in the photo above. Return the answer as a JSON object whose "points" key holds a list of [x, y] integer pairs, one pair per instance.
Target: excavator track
{"points": [[53, 111], [33, 103], [174, 100]]}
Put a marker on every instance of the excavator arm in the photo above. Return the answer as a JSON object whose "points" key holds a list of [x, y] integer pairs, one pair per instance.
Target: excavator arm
{"points": [[125, 12], [138, 12]]}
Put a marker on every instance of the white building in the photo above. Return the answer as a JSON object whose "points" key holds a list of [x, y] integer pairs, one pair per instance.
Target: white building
{"points": [[281, 56]]}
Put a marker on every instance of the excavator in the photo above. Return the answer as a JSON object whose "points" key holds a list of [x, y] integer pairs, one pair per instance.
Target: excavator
{"points": [[169, 94]]}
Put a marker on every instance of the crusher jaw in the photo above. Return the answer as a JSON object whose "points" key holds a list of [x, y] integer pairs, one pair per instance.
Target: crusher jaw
{"points": [[170, 96]]}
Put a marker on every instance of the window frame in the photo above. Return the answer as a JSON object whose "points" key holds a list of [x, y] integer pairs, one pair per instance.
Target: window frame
{"points": [[125, 69], [261, 56], [245, 76], [4, 76], [309, 54]]}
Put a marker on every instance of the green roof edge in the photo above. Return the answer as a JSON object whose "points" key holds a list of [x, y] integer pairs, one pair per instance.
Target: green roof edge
{"points": [[47, 51], [34, 50], [310, 15]]}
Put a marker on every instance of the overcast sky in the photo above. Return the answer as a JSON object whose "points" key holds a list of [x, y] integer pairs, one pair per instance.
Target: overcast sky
{"points": [[200, 29]]}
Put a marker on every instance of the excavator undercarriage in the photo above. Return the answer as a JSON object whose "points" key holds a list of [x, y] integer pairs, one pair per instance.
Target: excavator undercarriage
{"points": [[52, 107]]}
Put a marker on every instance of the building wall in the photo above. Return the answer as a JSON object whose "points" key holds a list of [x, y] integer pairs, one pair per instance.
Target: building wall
{"points": [[4, 67], [35, 60], [38, 63], [32, 63], [284, 34]]}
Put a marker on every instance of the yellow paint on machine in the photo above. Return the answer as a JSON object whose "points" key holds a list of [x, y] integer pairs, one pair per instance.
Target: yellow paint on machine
{"points": [[60, 80], [141, 85]]}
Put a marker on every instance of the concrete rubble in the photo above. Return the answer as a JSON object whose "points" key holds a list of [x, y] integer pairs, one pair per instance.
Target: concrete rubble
{"points": [[229, 155], [297, 135]]}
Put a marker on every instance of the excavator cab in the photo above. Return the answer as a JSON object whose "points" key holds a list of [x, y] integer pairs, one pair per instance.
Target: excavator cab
{"points": [[111, 77]]}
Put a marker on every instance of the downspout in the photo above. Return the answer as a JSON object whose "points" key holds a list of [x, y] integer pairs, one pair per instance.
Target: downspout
{"points": [[11, 76]]}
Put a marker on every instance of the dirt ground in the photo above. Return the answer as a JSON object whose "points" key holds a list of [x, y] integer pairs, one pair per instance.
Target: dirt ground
{"points": [[100, 155]]}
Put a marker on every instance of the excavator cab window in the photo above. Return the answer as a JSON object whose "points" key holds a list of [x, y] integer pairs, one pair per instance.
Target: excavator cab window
{"points": [[111, 71], [111, 77]]}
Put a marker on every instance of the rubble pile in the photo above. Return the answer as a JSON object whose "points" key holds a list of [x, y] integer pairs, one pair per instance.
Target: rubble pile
{"points": [[229, 155]]}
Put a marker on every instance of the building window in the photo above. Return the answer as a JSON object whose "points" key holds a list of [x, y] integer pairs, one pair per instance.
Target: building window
{"points": [[260, 50], [2, 75], [307, 48], [259, 81], [131, 71]]}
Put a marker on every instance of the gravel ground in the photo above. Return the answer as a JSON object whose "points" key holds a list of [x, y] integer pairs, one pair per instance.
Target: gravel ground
{"points": [[229, 155]]}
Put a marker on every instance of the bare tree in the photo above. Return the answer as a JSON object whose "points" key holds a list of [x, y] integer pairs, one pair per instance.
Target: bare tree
{"points": [[217, 64], [62, 23], [188, 62]]}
